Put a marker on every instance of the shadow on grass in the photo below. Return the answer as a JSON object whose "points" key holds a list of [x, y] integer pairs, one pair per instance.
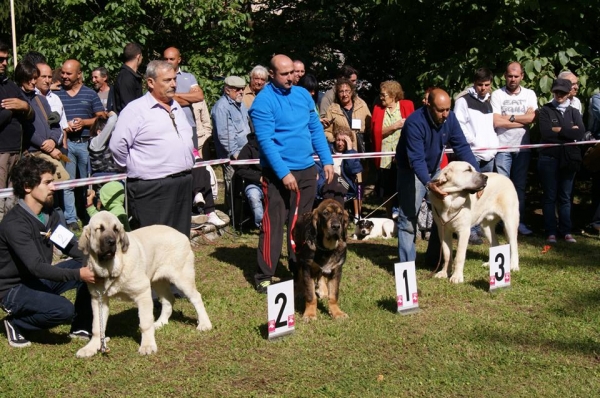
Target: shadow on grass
{"points": [[388, 304], [481, 284], [244, 257]]}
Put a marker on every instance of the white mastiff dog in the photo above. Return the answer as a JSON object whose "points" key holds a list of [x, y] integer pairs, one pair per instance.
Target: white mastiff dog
{"points": [[128, 265], [473, 198]]}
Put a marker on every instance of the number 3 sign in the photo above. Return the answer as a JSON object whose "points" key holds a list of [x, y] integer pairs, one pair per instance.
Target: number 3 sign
{"points": [[499, 267], [280, 299], [407, 297]]}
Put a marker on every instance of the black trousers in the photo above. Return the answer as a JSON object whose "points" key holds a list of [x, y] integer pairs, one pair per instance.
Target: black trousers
{"points": [[201, 183], [165, 201], [280, 207]]}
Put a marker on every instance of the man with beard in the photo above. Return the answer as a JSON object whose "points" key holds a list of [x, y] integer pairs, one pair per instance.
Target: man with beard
{"points": [[153, 140], [425, 135], [515, 108], [30, 286], [128, 84]]}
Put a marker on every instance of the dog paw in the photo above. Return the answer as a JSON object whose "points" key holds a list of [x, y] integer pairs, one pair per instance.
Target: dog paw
{"points": [[148, 349], [486, 264], [309, 317], [204, 326], [456, 279], [160, 323], [88, 350], [441, 275], [339, 315], [514, 268]]}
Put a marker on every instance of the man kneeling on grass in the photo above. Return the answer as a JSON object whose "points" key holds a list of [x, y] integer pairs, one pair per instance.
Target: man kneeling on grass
{"points": [[30, 287]]}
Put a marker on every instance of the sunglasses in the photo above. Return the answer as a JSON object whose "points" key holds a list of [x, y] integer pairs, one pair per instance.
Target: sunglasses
{"points": [[2, 59]]}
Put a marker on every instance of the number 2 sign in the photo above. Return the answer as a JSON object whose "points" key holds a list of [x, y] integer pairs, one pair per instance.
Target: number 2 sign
{"points": [[407, 297], [499, 267], [280, 308]]}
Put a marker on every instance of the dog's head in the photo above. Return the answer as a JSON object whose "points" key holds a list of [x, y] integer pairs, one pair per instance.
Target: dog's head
{"points": [[364, 226], [330, 220], [461, 177], [103, 236]]}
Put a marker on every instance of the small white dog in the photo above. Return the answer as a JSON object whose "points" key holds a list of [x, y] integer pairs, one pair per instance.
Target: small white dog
{"points": [[369, 228]]}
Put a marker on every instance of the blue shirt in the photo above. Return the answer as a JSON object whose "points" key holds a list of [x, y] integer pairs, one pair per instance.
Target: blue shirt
{"points": [[82, 105], [422, 143], [288, 129], [230, 127], [185, 81]]}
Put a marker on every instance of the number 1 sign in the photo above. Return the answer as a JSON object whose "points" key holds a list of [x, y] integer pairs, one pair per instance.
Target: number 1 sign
{"points": [[499, 267], [407, 297], [280, 305]]}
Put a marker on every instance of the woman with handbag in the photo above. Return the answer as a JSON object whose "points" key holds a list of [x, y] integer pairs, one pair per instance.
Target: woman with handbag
{"points": [[559, 124], [43, 133]]}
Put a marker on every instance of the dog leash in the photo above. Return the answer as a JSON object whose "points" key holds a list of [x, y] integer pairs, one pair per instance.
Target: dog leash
{"points": [[103, 347], [380, 206]]}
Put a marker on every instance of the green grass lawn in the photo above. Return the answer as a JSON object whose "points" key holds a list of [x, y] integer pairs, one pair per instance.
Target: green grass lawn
{"points": [[540, 338]]}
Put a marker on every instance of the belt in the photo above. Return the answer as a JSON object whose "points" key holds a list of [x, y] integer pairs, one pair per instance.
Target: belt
{"points": [[174, 175], [80, 140]]}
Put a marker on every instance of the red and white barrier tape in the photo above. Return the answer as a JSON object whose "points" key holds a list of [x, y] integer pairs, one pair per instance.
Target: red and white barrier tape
{"points": [[6, 192]]}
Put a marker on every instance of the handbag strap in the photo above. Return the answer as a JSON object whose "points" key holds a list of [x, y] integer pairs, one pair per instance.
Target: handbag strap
{"points": [[41, 107]]}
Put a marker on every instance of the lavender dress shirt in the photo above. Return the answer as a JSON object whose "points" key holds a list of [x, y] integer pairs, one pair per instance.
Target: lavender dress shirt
{"points": [[149, 143]]}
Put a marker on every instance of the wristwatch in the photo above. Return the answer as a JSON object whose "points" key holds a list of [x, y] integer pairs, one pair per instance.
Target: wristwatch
{"points": [[512, 118]]}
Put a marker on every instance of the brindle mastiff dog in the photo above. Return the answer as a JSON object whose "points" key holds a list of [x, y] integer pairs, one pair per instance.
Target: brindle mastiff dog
{"points": [[320, 236]]}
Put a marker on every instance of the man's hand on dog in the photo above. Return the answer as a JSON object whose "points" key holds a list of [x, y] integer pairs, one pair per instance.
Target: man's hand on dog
{"points": [[436, 190], [86, 275]]}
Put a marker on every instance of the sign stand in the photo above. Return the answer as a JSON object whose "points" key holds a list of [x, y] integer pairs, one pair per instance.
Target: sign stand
{"points": [[499, 267], [280, 308], [407, 296]]}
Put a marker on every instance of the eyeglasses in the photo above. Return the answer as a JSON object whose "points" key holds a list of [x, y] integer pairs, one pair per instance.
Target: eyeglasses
{"points": [[344, 92], [3, 59], [235, 88]]}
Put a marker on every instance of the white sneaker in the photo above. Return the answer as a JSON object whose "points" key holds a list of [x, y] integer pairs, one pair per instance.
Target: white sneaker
{"points": [[523, 230], [199, 199], [215, 220]]}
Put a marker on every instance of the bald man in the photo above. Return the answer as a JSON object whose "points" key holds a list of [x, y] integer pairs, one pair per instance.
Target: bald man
{"points": [[188, 91], [425, 135], [82, 106], [288, 131]]}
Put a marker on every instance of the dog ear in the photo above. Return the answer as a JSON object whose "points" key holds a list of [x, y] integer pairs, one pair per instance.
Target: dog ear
{"points": [[123, 238], [345, 220], [84, 240]]}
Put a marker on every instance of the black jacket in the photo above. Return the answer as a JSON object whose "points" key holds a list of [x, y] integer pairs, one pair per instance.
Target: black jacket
{"points": [[549, 117], [10, 122], [249, 172], [26, 253], [127, 87]]}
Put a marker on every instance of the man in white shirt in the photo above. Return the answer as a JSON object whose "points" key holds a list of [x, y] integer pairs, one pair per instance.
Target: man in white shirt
{"points": [[42, 86], [515, 108]]}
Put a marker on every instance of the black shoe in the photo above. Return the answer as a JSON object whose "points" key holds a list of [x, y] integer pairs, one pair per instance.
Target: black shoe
{"points": [[262, 287], [15, 339], [74, 227], [80, 334]]}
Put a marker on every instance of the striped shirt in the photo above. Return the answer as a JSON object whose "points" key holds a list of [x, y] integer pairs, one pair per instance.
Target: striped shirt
{"points": [[83, 105]]}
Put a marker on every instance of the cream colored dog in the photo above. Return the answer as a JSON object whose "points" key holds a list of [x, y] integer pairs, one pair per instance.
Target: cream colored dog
{"points": [[468, 204], [129, 265]]}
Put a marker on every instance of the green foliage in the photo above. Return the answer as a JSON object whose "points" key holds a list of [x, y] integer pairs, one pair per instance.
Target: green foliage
{"points": [[212, 35]]}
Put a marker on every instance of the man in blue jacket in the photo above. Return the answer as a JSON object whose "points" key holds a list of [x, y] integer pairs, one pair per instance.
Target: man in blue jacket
{"points": [[426, 133], [288, 131]]}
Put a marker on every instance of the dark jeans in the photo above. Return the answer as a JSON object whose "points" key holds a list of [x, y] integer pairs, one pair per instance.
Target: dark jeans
{"points": [[38, 304], [557, 186]]}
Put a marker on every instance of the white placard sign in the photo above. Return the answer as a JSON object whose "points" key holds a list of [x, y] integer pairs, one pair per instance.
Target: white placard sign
{"points": [[407, 296], [356, 124], [280, 299], [61, 236], [499, 267]]}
